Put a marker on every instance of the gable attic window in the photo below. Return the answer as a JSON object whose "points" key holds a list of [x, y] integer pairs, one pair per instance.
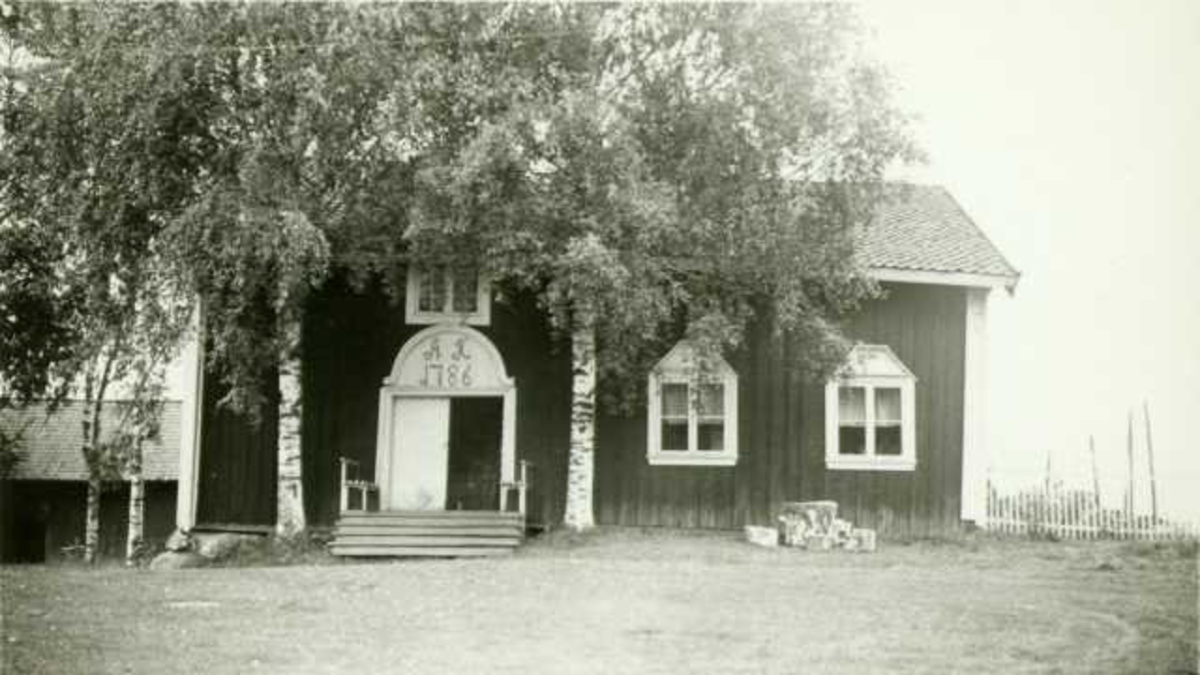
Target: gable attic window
{"points": [[441, 293], [691, 415], [870, 413]]}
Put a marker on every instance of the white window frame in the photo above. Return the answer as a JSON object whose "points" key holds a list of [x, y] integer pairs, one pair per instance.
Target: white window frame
{"points": [[414, 315], [679, 367], [853, 374]]}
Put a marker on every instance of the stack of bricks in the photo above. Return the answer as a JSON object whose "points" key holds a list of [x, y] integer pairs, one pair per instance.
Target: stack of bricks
{"points": [[814, 526]]}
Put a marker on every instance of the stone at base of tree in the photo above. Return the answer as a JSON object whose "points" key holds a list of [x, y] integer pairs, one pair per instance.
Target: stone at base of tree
{"points": [[219, 545], [762, 536], [178, 560], [178, 541]]}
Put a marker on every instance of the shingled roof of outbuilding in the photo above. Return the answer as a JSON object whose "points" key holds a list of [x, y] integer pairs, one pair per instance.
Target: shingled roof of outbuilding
{"points": [[921, 228], [50, 448]]}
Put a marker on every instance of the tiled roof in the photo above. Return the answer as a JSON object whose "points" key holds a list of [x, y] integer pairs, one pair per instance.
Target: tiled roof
{"points": [[51, 444], [922, 228]]}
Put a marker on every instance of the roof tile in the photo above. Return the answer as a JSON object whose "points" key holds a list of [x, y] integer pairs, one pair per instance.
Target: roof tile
{"points": [[51, 444], [922, 227]]}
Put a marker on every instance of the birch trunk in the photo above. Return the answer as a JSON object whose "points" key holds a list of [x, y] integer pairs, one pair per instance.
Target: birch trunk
{"points": [[91, 520], [137, 510], [91, 536], [289, 514], [580, 464]]}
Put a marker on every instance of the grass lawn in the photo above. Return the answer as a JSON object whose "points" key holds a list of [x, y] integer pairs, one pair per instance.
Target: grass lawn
{"points": [[626, 602]]}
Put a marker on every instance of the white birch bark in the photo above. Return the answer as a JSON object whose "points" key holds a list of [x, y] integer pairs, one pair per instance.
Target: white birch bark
{"points": [[91, 520], [95, 386], [581, 462], [289, 514], [137, 512], [91, 532]]}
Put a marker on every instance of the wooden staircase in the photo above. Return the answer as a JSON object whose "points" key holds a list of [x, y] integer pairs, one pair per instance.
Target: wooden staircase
{"points": [[361, 531], [427, 533]]}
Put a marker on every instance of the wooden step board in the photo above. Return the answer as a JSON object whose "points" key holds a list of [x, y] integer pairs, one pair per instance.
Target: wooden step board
{"points": [[427, 533]]}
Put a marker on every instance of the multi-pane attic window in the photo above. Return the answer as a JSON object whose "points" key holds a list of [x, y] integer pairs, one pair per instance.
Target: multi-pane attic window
{"points": [[441, 293]]}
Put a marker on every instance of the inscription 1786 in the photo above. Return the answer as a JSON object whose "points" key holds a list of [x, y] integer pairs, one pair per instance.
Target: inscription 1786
{"points": [[446, 369]]}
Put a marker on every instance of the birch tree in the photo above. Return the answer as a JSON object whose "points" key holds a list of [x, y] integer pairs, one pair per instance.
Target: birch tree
{"points": [[646, 171]]}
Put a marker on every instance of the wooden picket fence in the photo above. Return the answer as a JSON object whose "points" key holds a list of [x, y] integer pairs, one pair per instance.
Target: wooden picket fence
{"points": [[1072, 513]]}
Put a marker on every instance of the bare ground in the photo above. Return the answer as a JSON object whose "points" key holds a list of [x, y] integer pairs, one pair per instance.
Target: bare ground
{"points": [[626, 602]]}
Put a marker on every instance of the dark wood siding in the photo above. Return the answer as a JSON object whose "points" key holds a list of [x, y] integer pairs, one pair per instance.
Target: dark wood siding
{"points": [[238, 458], [926, 327], [781, 437], [350, 340], [46, 516]]}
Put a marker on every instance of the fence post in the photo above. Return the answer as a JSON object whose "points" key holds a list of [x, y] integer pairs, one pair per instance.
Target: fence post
{"points": [[1150, 461]]}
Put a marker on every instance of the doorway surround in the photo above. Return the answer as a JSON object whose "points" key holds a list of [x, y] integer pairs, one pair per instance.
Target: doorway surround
{"points": [[443, 361]]}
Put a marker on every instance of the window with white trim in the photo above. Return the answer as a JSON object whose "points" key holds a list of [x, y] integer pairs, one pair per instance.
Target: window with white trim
{"points": [[691, 412], [870, 413], [443, 293]]}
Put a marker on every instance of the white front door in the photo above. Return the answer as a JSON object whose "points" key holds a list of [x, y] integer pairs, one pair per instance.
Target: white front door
{"points": [[420, 454]]}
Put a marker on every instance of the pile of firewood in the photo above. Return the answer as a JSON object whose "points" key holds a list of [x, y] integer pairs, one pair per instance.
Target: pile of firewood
{"points": [[813, 526]]}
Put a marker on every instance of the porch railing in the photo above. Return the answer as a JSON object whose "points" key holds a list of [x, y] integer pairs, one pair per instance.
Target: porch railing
{"points": [[352, 482], [521, 485]]}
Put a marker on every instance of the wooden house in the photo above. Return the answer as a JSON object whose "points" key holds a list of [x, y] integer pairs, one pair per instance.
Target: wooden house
{"points": [[451, 409]]}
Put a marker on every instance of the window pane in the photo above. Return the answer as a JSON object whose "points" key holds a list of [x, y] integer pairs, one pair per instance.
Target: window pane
{"points": [[675, 400], [887, 440], [710, 436], [712, 400], [433, 290], [887, 405], [466, 290], [674, 436], [852, 406], [852, 440]]}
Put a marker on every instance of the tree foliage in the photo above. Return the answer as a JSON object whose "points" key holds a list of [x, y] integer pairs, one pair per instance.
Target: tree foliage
{"points": [[676, 169]]}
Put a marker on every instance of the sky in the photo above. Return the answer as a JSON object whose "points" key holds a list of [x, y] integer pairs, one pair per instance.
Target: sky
{"points": [[1070, 132]]}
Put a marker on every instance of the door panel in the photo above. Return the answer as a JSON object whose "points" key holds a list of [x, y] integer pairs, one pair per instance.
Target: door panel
{"points": [[420, 451]]}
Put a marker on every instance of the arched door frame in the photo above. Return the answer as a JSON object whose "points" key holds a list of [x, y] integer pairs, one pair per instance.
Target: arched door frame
{"points": [[398, 384]]}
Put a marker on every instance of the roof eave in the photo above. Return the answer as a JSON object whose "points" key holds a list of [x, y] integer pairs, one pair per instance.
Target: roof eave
{"points": [[940, 278]]}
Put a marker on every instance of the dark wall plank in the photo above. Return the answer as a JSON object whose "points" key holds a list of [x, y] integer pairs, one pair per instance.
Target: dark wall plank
{"points": [[782, 443], [238, 457]]}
